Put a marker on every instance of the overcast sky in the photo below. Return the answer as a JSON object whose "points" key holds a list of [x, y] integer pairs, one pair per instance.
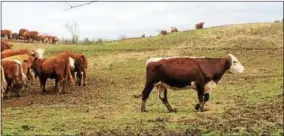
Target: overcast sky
{"points": [[109, 20]]}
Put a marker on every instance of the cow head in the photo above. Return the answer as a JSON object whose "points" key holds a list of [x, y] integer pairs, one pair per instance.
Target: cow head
{"points": [[235, 65]]}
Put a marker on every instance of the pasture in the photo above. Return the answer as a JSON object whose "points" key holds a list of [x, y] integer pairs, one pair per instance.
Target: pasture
{"points": [[246, 104]]}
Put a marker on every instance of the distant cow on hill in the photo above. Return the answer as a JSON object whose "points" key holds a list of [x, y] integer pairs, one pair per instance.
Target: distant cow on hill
{"points": [[174, 29], [7, 33], [163, 32], [21, 33], [57, 68], [53, 39], [5, 46], [80, 66], [201, 74], [44, 38], [199, 25]]}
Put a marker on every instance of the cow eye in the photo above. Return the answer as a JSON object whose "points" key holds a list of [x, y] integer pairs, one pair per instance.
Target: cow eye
{"points": [[234, 62]]}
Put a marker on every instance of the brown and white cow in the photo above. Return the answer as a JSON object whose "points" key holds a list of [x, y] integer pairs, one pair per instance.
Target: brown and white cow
{"points": [[163, 32], [57, 68], [9, 53], [5, 45], [79, 65], [201, 74], [174, 29], [53, 39], [15, 76], [199, 25], [7, 33], [21, 33]]}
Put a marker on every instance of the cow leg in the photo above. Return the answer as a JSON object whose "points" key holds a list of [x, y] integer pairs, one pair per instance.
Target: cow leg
{"points": [[84, 77], [163, 97], [79, 78], [56, 84], [145, 94], [200, 93], [206, 97], [42, 84]]}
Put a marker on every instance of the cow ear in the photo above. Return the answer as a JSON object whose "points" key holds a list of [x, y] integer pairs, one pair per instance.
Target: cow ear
{"points": [[229, 60]]}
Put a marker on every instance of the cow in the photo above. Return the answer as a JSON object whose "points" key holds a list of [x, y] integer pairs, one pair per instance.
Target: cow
{"points": [[15, 36], [199, 25], [21, 33], [79, 66], [30, 36], [53, 40], [57, 68], [9, 53], [43, 38], [14, 75], [7, 33], [174, 29], [201, 74], [163, 32], [5, 45]]}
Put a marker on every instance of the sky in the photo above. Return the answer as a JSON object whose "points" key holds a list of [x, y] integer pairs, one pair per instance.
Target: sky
{"points": [[111, 20]]}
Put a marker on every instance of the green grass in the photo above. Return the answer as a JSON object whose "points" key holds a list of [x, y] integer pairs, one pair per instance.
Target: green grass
{"points": [[247, 104]]}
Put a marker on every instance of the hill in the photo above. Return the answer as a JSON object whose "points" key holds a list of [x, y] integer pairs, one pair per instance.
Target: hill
{"points": [[247, 104]]}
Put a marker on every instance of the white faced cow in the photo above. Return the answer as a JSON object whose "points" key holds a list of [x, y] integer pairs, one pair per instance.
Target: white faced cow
{"points": [[201, 74]]}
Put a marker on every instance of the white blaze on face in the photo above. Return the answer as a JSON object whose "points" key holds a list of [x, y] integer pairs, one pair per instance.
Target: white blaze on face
{"points": [[71, 61], [236, 66]]}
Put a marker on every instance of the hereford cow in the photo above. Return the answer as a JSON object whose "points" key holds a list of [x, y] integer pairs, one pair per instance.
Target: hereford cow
{"points": [[163, 32], [79, 67], [21, 33], [5, 46], [9, 53], [174, 29], [201, 74], [7, 33], [15, 36], [43, 38], [199, 25], [16, 79], [53, 40], [30, 36], [57, 68]]}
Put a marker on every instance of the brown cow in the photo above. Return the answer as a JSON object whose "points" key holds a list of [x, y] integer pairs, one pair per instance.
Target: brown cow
{"points": [[174, 29], [7, 33], [163, 32], [43, 38], [5, 46], [79, 64], [30, 36], [201, 74], [21, 33], [15, 77], [9, 53], [57, 68], [199, 25]]}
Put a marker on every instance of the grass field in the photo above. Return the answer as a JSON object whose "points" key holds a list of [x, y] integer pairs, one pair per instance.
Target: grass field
{"points": [[246, 104]]}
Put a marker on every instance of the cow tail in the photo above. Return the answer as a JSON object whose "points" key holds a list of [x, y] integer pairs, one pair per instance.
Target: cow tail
{"points": [[67, 73], [85, 62], [3, 80], [22, 74]]}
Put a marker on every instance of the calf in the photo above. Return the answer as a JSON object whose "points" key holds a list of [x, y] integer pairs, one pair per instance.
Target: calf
{"points": [[15, 36], [57, 68], [16, 79], [79, 66], [201, 74]]}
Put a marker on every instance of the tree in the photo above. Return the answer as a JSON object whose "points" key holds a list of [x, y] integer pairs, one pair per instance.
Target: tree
{"points": [[74, 30]]}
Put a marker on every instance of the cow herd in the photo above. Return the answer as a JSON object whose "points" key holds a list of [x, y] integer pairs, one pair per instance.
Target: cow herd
{"points": [[21, 67], [174, 29], [29, 36]]}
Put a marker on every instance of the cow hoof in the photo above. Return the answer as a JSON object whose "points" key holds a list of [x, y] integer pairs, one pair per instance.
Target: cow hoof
{"points": [[173, 110], [144, 111], [197, 106]]}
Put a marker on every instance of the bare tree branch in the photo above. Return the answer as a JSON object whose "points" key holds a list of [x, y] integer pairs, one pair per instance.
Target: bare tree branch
{"points": [[75, 6]]}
